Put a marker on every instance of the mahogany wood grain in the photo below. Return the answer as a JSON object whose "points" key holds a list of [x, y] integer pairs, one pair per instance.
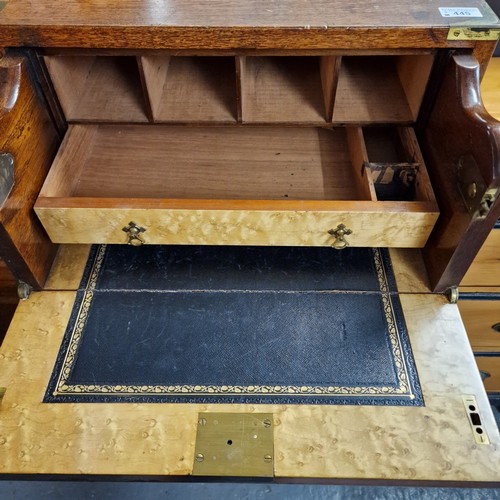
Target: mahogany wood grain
{"points": [[28, 133], [459, 127]]}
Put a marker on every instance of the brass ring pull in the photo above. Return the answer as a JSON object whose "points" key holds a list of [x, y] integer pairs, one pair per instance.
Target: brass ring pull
{"points": [[340, 233], [134, 234]]}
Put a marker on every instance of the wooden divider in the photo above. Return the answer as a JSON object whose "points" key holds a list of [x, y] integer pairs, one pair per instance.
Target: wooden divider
{"points": [[359, 160]]}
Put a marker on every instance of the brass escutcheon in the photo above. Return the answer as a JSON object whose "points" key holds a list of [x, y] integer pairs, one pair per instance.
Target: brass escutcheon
{"points": [[340, 233], [134, 234]]}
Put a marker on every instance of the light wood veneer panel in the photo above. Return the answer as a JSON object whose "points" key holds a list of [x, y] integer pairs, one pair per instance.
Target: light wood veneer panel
{"points": [[243, 226], [432, 443], [490, 365], [478, 317], [485, 270], [490, 88]]}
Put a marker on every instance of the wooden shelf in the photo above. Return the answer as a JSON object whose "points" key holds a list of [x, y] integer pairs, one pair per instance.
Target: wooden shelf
{"points": [[282, 90], [191, 89], [98, 88], [300, 90]]}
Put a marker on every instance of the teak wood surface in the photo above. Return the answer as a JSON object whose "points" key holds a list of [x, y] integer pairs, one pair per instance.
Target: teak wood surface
{"points": [[430, 443]]}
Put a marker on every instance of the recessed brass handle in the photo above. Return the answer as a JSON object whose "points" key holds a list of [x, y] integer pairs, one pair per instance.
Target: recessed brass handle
{"points": [[340, 233], [134, 237]]}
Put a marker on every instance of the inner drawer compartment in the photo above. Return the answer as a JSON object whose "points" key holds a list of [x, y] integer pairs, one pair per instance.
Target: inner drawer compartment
{"points": [[190, 89], [223, 185], [98, 88], [282, 89], [381, 89]]}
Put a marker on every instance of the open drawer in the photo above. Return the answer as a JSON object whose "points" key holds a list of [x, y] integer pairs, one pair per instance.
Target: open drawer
{"points": [[238, 186]]}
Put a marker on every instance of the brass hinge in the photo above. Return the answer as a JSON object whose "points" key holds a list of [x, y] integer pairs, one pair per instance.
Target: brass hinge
{"points": [[464, 33]]}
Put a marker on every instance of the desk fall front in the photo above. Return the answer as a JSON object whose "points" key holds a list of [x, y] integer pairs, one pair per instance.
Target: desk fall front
{"points": [[158, 123]]}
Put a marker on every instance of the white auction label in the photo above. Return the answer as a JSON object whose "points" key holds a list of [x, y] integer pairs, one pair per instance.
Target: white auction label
{"points": [[460, 12]]}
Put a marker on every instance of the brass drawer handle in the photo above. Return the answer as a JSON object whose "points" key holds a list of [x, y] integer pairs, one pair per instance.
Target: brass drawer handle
{"points": [[134, 234], [340, 233]]}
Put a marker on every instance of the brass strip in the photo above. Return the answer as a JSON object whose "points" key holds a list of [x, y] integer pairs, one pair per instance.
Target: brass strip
{"points": [[461, 33]]}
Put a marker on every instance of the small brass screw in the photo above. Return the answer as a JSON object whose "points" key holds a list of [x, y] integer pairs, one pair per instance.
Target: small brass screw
{"points": [[267, 458], [472, 190], [267, 423], [200, 457]]}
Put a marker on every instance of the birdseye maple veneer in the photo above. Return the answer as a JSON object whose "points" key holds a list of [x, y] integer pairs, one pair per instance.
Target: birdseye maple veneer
{"points": [[223, 122]]}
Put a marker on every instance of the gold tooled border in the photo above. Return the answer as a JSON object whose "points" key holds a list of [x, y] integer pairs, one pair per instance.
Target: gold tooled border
{"points": [[403, 388]]}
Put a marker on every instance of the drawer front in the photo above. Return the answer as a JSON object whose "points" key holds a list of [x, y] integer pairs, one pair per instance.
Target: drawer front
{"points": [[482, 322], [485, 270], [490, 368], [236, 226]]}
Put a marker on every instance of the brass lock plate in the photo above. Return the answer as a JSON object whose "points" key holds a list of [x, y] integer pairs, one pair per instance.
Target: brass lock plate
{"points": [[234, 444]]}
